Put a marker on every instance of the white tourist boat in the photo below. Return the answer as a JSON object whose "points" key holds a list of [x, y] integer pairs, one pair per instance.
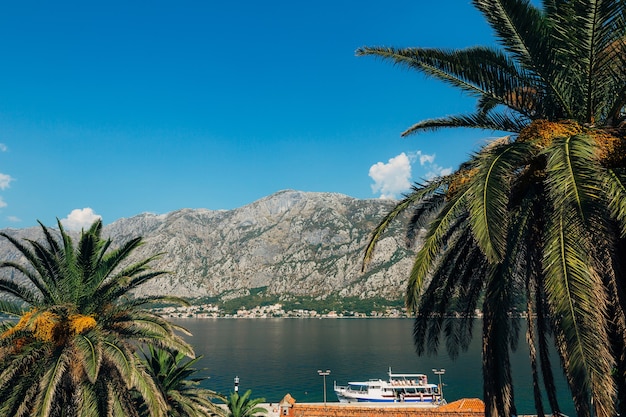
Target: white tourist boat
{"points": [[408, 388]]}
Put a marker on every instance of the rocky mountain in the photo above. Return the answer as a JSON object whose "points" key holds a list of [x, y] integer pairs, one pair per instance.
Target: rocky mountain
{"points": [[292, 243]]}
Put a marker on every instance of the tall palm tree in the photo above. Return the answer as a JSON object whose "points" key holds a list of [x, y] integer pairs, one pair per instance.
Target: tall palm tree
{"points": [[243, 406], [540, 212], [72, 352], [179, 387]]}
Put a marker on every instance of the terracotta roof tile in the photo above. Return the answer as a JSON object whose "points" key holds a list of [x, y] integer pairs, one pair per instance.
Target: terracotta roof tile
{"points": [[466, 404]]}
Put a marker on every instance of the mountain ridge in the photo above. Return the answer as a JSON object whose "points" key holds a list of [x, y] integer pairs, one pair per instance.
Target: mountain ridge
{"points": [[292, 243]]}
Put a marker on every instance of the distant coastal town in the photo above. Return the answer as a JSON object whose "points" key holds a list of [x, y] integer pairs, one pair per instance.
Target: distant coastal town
{"points": [[270, 311]]}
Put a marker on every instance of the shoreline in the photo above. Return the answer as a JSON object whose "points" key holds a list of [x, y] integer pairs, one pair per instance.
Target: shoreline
{"points": [[285, 317]]}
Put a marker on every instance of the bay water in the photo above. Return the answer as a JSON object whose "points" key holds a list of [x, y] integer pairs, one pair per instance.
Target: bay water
{"points": [[277, 356]]}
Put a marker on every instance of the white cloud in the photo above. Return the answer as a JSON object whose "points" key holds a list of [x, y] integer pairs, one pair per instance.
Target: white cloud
{"points": [[5, 181], [80, 219], [428, 163], [392, 178], [14, 219], [422, 157], [437, 171]]}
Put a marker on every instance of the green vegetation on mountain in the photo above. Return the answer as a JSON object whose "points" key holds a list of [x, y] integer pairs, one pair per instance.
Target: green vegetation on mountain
{"points": [[339, 304]]}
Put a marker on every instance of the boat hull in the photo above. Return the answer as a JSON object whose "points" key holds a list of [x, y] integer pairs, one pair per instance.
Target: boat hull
{"points": [[388, 401], [400, 388], [351, 398]]}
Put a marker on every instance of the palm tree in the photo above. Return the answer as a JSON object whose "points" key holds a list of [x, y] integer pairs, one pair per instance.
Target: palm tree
{"points": [[243, 406], [540, 212], [181, 391], [72, 352]]}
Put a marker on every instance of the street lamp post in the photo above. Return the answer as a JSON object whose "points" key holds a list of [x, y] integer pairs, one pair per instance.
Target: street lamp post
{"points": [[324, 374], [440, 372]]}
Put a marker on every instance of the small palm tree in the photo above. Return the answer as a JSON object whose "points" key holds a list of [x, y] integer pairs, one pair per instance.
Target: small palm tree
{"points": [[178, 386], [243, 406], [72, 352]]}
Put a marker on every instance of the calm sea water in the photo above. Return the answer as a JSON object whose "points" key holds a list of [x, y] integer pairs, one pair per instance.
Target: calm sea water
{"points": [[273, 357]]}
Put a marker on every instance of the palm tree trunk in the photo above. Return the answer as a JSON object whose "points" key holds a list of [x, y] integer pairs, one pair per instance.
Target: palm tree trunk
{"points": [[619, 342], [530, 339], [498, 387], [537, 298], [580, 396], [544, 354]]}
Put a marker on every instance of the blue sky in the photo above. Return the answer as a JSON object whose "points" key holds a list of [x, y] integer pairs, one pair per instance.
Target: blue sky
{"points": [[118, 108]]}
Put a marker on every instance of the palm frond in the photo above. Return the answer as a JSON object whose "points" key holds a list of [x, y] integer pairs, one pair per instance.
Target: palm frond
{"points": [[119, 358], [39, 279], [589, 39], [21, 400], [50, 384], [433, 245], [491, 121], [15, 289], [433, 306], [490, 188], [615, 186], [88, 405], [89, 351], [579, 309], [11, 308], [51, 239], [50, 267], [149, 328], [573, 175], [484, 73], [151, 300], [152, 396], [525, 33], [418, 193], [573, 287], [455, 264], [121, 282]]}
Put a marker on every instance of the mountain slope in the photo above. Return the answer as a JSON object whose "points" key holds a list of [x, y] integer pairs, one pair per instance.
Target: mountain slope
{"points": [[292, 243]]}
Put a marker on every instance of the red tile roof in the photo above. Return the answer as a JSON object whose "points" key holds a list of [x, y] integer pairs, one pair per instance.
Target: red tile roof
{"points": [[466, 404]]}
